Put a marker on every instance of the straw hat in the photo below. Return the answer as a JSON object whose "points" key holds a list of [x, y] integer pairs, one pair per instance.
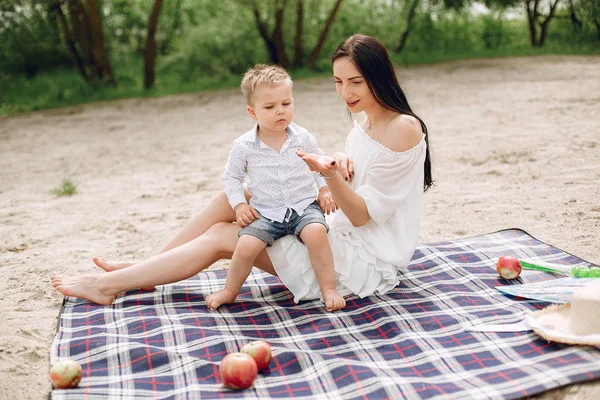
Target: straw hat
{"points": [[574, 323]]}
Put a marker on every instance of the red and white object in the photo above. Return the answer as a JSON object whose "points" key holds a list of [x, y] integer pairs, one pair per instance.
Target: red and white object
{"points": [[260, 351], [508, 267], [238, 371], [65, 374]]}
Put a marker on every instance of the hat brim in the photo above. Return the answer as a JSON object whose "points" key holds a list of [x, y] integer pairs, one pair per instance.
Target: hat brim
{"points": [[552, 323]]}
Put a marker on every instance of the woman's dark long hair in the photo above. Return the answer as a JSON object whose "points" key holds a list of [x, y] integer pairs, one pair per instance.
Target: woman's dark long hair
{"points": [[373, 62]]}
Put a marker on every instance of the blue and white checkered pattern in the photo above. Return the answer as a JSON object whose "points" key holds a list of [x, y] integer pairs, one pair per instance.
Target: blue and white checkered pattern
{"points": [[410, 343]]}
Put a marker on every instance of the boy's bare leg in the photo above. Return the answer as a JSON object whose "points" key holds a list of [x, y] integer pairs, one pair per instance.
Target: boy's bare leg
{"points": [[246, 251], [217, 210], [315, 237]]}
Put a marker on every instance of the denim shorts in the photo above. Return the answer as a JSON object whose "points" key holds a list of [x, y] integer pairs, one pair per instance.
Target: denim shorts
{"points": [[268, 230]]}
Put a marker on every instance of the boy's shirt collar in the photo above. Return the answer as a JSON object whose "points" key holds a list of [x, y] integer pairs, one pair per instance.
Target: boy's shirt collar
{"points": [[252, 136]]}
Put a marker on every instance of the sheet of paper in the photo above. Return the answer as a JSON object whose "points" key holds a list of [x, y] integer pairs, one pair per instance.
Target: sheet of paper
{"points": [[520, 326], [554, 290]]}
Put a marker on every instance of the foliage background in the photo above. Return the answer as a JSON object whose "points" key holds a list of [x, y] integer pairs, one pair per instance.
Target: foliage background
{"points": [[208, 44]]}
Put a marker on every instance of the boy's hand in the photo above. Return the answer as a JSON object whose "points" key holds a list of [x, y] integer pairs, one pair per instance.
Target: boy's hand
{"points": [[245, 214], [326, 201]]}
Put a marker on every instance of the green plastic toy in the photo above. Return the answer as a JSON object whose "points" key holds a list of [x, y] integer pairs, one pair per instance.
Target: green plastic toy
{"points": [[580, 271]]}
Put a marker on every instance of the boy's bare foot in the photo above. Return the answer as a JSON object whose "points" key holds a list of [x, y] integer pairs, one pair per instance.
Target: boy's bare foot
{"points": [[333, 300], [110, 266], [215, 300], [85, 286]]}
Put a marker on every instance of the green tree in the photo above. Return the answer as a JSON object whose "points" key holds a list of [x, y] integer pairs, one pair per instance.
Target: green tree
{"points": [[539, 15], [150, 53], [69, 42], [536, 18], [103, 71], [590, 11], [298, 43], [29, 38], [85, 38], [409, 24], [312, 58], [273, 39], [275, 42]]}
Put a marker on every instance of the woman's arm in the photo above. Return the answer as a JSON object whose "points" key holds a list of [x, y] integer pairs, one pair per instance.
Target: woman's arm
{"points": [[352, 204], [401, 134]]}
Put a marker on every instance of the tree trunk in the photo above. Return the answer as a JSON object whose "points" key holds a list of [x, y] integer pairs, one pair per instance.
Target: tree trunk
{"points": [[543, 34], [150, 53], [533, 16], [69, 40], [103, 70], [262, 30], [80, 26], [278, 36], [298, 44], [411, 16], [546, 23], [532, 20], [312, 59]]}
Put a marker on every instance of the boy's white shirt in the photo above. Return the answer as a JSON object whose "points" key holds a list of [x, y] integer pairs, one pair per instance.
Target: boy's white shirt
{"points": [[278, 181]]}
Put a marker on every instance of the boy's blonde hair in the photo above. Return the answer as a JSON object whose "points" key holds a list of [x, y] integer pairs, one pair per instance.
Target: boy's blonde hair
{"points": [[262, 75]]}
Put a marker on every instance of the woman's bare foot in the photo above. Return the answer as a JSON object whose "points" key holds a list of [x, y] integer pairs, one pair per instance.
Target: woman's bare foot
{"points": [[109, 266], [215, 300], [333, 300], [85, 286]]}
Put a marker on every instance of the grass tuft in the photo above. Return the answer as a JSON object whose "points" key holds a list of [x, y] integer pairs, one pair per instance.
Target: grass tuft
{"points": [[66, 188]]}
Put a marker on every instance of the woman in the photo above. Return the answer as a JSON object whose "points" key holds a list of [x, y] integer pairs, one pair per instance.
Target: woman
{"points": [[388, 166]]}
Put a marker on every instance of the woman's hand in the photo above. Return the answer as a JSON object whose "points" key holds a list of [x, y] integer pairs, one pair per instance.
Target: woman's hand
{"points": [[325, 165], [326, 201], [345, 166]]}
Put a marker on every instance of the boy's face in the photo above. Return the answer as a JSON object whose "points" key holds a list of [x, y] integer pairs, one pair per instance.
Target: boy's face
{"points": [[273, 107]]}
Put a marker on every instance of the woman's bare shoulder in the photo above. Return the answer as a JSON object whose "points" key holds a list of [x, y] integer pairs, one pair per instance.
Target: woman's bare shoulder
{"points": [[403, 133]]}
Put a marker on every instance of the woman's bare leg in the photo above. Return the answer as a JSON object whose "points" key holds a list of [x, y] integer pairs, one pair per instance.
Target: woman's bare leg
{"points": [[217, 210], [171, 266]]}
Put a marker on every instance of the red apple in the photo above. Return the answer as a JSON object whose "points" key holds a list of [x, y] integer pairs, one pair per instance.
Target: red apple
{"points": [[65, 374], [260, 351], [238, 371], [508, 267]]}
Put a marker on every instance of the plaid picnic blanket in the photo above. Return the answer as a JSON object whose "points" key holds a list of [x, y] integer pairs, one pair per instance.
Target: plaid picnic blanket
{"points": [[410, 343]]}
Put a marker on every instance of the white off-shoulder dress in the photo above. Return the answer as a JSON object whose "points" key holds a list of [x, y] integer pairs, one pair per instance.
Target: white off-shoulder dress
{"points": [[367, 259]]}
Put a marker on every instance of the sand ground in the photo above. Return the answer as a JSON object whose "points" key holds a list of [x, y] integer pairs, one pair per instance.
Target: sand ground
{"points": [[516, 143]]}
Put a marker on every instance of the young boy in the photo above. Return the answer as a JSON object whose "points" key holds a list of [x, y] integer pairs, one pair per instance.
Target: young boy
{"points": [[283, 195]]}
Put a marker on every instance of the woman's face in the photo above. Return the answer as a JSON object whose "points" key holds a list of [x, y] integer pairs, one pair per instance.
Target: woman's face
{"points": [[351, 86]]}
